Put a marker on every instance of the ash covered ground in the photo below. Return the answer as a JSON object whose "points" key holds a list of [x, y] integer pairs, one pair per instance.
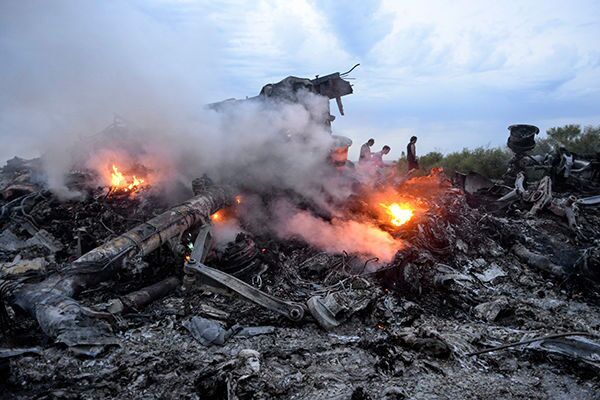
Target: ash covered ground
{"points": [[471, 275]]}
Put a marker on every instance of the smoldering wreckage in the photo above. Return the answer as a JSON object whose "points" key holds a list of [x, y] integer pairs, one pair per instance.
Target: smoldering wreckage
{"points": [[451, 286]]}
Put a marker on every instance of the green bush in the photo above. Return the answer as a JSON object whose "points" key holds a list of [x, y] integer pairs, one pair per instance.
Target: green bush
{"points": [[485, 161], [431, 160], [573, 138], [490, 162]]}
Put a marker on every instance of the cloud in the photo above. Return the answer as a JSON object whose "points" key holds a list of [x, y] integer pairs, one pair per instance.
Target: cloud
{"points": [[436, 69], [359, 25], [457, 74]]}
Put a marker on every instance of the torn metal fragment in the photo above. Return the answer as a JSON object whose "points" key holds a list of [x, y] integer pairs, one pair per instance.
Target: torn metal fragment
{"points": [[325, 309]]}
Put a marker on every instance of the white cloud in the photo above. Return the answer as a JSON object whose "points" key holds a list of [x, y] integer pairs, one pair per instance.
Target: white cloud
{"points": [[510, 45], [265, 41], [455, 73]]}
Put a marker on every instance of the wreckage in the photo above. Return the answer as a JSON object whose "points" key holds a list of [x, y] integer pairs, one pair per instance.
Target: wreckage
{"points": [[121, 294], [565, 169], [332, 86]]}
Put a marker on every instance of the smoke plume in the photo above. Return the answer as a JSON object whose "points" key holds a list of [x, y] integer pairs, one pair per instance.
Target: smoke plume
{"points": [[335, 235], [71, 69]]}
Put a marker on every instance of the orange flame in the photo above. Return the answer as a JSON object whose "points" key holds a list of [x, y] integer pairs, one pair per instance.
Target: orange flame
{"points": [[216, 217], [119, 182], [116, 179], [399, 214]]}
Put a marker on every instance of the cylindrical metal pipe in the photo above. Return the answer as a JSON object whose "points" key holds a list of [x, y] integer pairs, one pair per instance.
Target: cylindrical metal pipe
{"points": [[147, 237], [143, 297]]}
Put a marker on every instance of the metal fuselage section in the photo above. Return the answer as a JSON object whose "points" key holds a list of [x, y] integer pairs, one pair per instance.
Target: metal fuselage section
{"points": [[291, 89]]}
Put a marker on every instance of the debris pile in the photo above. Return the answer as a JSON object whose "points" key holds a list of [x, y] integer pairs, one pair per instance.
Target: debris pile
{"points": [[117, 295]]}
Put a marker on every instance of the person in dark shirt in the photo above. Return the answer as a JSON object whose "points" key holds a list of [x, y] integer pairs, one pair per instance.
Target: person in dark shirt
{"points": [[411, 154]]}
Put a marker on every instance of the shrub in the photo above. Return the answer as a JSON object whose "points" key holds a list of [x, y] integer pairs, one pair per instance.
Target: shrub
{"points": [[573, 138]]}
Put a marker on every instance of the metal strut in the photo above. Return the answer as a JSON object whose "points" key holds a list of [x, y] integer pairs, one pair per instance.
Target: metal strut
{"points": [[194, 265]]}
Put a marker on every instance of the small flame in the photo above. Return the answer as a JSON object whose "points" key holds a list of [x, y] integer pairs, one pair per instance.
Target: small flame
{"points": [[119, 182], [238, 199], [216, 217], [400, 214], [117, 179], [136, 182]]}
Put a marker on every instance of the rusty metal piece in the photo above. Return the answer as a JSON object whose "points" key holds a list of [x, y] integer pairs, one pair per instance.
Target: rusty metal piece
{"points": [[538, 261], [519, 184], [147, 237], [541, 197], [522, 137], [518, 192], [332, 86], [200, 250], [565, 208], [240, 258]]}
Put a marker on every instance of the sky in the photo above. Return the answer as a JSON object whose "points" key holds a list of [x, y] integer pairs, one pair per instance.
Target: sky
{"points": [[455, 74]]}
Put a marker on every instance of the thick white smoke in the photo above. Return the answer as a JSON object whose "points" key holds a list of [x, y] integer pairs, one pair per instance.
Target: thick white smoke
{"points": [[69, 68], [336, 235]]}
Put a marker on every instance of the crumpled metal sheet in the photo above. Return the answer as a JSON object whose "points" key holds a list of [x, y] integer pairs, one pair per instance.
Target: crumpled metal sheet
{"points": [[19, 266], [10, 242], [209, 332], [575, 347], [73, 324], [15, 352]]}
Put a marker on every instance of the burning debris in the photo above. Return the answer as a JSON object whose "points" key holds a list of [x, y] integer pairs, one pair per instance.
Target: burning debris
{"points": [[349, 285], [399, 214], [118, 182]]}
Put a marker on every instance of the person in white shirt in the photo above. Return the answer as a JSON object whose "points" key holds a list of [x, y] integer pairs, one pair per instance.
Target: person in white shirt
{"points": [[377, 157], [365, 152]]}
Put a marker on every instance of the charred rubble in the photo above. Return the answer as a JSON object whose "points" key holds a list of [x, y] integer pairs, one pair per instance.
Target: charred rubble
{"points": [[493, 292]]}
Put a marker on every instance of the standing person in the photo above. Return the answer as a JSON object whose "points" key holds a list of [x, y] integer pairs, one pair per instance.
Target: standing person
{"points": [[411, 154], [365, 152], [377, 157]]}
